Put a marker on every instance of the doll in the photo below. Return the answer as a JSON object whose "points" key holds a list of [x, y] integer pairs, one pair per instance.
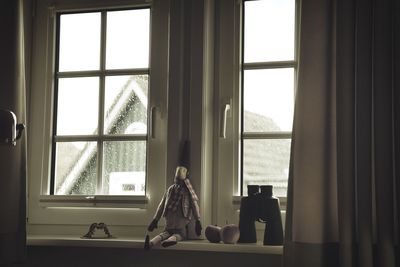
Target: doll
{"points": [[177, 206]]}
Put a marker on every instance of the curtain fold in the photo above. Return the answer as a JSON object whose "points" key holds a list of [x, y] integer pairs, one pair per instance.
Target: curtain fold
{"points": [[12, 159], [343, 202]]}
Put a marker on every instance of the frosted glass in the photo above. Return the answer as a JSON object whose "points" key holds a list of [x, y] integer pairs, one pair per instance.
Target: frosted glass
{"points": [[76, 168], [124, 168], [126, 99]]}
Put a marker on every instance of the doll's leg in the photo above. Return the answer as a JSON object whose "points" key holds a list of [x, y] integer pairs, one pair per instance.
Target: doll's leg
{"points": [[172, 240], [158, 239]]}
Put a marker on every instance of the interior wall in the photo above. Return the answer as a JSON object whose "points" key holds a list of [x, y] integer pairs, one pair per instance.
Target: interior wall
{"points": [[124, 257]]}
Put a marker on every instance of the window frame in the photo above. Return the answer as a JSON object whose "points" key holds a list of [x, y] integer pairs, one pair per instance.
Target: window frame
{"points": [[61, 210], [102, 73]]}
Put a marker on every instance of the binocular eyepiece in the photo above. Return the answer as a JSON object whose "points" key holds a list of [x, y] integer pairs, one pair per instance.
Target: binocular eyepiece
{"points": [[260, 205], [259, 189]]}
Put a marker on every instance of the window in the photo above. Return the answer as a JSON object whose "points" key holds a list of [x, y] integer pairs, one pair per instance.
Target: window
{"points": [[100, 103], [109, 113], [98, 117], [267, 92], [256, 66]]}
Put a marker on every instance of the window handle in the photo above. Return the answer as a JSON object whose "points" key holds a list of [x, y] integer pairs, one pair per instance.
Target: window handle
{"points": [[153, 122], [222, 129]]}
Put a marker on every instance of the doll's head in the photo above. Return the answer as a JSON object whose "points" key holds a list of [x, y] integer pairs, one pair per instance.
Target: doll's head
{"points": [[180, 173]]}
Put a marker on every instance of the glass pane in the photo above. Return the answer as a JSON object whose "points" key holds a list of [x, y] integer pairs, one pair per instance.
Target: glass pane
{"points": [[269, 30], [76, 168], [268, 100], [77, 106], [128, 39], [124, 168], [266, 162], [79, 42], [126, 104]]}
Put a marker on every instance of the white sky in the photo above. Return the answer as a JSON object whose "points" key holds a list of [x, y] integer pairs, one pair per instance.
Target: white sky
{"points": [[270, 93], [269, 36], [128, 39]]}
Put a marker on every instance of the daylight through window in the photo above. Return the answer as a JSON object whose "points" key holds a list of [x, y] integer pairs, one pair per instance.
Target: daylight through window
{"points": [[101, 103], [268, 88]]}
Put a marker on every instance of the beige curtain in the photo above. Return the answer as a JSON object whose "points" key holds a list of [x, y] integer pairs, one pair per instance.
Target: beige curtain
{"points": [[12, 159], [343, 195]]}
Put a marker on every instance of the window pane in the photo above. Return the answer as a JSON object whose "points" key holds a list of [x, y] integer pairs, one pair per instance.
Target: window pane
{"points": [[268, 100], [76, 168], [79, 42], [269, 30], [77, 106], [126, 104], [128, 39], [124, 168], [266, 162]]}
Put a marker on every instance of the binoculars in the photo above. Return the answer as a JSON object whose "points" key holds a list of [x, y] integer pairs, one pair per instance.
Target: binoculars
{"points": [[260, 205]]}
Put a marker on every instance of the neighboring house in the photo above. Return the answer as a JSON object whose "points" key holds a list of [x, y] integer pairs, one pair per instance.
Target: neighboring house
{"points": [[266, 161], [77, 173]]}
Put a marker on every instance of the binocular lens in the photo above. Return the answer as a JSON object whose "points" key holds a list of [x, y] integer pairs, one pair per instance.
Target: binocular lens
{"points": [[253, 189], [266, 190]]}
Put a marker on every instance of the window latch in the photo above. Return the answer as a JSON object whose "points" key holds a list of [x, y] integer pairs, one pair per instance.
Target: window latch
{"points": [[224, 114]]}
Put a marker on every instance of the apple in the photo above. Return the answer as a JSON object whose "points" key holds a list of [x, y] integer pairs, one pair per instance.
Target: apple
{"points": [[230, 234], [212, 233]]}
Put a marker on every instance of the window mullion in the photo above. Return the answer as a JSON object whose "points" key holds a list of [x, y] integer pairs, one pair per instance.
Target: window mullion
{"points": [[267, 135], [95, 138], [102, 70], [103, 37], [269, 65], [97, 73]]}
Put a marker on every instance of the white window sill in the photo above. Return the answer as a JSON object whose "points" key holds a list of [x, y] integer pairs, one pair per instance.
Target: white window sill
{"points": [[93, 201], [191, 245]]}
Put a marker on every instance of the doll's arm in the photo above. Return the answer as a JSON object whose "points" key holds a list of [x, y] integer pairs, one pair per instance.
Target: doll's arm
{"points": [[195, 209], [160, 208], [196, 215], [157, 216], [198, 228], [152, 225]]}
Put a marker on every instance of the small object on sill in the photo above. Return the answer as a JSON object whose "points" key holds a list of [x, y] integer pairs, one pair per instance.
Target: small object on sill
{"points": [[213, 233], [263, 207], [92, 230], [228, 234]]}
